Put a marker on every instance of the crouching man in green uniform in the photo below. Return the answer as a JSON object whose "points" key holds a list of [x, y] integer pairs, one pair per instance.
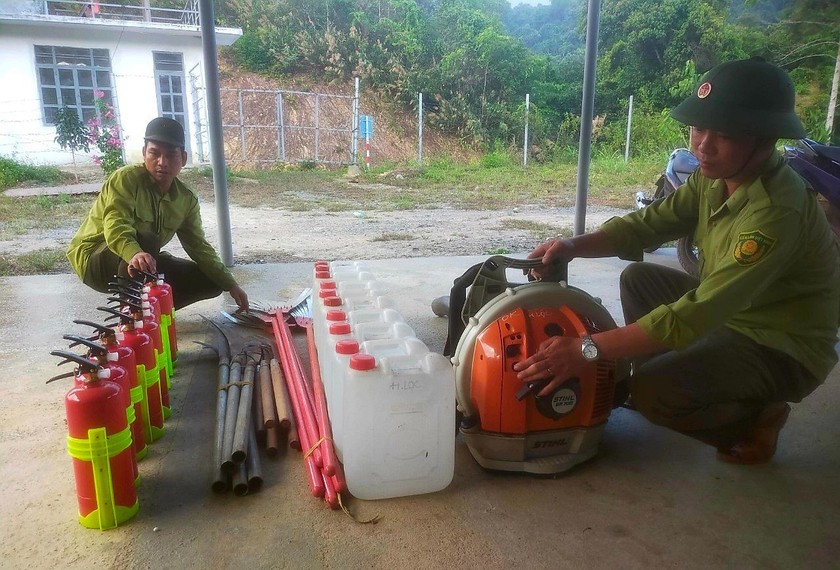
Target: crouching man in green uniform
{"points": [[718, 358], [139, 210]]}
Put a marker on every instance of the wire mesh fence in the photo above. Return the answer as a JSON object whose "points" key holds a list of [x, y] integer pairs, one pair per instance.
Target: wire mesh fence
{"points": [[267, 126]]}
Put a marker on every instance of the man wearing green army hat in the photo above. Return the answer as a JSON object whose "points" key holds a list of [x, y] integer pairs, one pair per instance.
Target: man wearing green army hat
{"points": [[719, 357], [139, 210]]}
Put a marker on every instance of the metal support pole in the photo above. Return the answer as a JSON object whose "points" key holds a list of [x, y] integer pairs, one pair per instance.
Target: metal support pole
{"points": [[367, 146], [629, 124], [593, 17], [196, 100], [214, 113], [420, 131], [525, 146], [354, 136], [278, 107], [242, 127], [317, 124], [832, 99], [281, 125]]}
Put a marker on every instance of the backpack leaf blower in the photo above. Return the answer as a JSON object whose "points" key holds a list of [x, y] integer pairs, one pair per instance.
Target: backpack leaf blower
{"points": [[505, 425]]}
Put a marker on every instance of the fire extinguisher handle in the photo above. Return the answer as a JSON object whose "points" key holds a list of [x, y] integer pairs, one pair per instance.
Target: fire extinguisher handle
{"points": [[115, 313], [85, 364], [95, 347], [150, 277], [95, 326], [128, 280], [127, 295], [61, 376], [128, 302], [117, 289]]}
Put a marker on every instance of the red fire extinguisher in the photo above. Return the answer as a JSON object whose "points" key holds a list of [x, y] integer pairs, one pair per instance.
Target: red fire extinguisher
{"points": [[107, 358], [160, 289], [142, 309], [128, 360], [137, 291], [131, 334], [151, 324], [99, 441], [152, 314]]}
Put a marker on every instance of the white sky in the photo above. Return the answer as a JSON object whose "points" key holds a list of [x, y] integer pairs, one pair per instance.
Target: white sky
{"points": [[531, 2]]}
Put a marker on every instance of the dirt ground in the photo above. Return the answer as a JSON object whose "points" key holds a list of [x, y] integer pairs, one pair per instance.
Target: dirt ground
{"points": [[266, 235]]}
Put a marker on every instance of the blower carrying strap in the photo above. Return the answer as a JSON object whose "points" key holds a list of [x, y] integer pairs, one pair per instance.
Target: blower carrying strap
{"points": [[486, 281]]}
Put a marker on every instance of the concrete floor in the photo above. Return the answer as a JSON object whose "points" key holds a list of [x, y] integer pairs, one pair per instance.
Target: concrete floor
{"points": [[651, 498]]}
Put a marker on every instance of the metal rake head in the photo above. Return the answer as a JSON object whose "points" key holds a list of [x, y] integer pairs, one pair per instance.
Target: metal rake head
{"points": [[260, 312], [302, 313], [253, 320], [269, 308], [304, 296], [264, 307]]}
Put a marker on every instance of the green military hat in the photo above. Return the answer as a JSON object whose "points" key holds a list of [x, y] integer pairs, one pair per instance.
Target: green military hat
{"points": [[747, 96], [165, 130]]}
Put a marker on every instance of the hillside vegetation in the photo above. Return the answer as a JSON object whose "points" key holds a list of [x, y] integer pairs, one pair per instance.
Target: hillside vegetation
{"points": [[475, 60]]}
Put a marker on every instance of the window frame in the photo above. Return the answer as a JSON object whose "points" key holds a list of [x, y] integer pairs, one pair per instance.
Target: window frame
{"points": [[164, 65], [68, 64]]}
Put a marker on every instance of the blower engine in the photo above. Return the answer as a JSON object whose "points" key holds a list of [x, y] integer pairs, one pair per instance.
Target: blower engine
{"points": [[505, 425]]}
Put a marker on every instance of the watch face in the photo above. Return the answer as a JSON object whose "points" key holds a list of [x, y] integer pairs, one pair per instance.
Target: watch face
{"points": [[590, 351]]}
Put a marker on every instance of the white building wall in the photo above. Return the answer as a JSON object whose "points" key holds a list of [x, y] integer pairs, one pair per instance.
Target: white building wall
{"points": [[23, 134], [133, 65]]}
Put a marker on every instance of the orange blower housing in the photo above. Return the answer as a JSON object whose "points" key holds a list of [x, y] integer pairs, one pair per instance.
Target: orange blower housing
{"points": [[508, 429]]}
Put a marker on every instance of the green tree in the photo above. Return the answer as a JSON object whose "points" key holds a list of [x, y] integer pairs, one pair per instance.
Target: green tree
{"points": [[645, 45], [551, 29], [809, 33], [71, 133]]}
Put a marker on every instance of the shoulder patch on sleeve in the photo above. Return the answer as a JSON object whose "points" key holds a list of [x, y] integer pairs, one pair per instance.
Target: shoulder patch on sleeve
{"points": [[752, 246]]}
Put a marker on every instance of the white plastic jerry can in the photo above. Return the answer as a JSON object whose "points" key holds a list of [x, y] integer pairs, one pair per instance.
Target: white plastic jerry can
{"points": [[377, 330], [398, 425], [342, 352]]}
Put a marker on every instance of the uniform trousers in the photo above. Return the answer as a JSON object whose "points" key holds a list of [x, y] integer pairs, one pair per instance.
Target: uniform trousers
{"points": [[189, 283], [715, 388]]}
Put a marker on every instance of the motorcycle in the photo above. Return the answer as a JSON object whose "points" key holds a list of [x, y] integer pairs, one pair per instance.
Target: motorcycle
{"points": [[818, 164], [680, 165]]}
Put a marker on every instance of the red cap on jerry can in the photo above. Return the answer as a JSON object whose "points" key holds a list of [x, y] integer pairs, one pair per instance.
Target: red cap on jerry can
{"points": [[362, 362], [340, 328], [347, 347], [336, 316]]}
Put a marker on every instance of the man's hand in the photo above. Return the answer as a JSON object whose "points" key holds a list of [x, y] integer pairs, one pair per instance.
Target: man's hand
{"points": [[558, 359], [241, 298], [142, 261], [550, 252]]}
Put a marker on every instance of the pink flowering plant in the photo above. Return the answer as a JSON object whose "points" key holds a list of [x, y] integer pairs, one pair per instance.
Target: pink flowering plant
{"points": [[104, 134]]}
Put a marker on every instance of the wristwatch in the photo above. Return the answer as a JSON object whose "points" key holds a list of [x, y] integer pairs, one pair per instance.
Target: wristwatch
{"points": [[589, 349]]}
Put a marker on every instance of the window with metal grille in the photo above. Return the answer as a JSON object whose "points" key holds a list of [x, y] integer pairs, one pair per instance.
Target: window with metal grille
{"points": [[169, 72], [70, 77], [170, 83]]}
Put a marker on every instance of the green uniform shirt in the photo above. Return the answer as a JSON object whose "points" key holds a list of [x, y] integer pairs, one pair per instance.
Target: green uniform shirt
{"points": [[129, 203], [769, 264]]}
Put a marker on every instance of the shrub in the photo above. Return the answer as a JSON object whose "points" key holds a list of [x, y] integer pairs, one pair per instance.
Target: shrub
{"points": [[496, 159], [13, 172], [650, 133], [105, 135], [71, 133]]}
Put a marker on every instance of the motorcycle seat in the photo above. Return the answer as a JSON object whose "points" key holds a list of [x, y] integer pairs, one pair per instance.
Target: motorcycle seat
{"points": [[825, 151]]}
